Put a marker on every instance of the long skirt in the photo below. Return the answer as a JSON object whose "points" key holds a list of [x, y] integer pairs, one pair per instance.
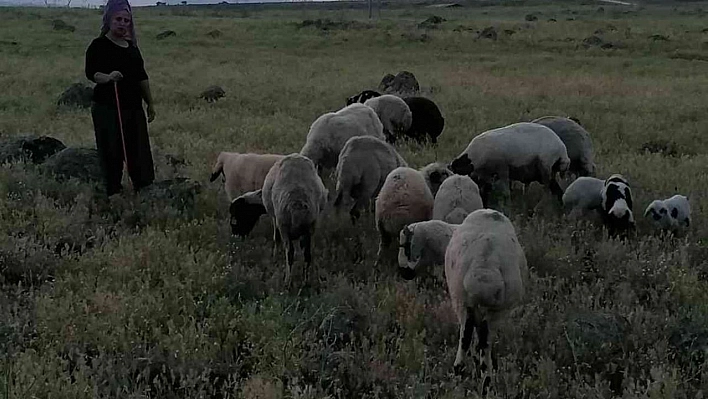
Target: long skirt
{"points": [[110, 146]]}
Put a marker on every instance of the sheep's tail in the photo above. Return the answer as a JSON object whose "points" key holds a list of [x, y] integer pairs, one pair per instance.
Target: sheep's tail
{"points": [[218, 168], [486, 288], [301, 218]]}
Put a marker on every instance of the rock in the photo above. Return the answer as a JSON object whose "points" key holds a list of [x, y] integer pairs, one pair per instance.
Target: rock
{"points": [[212, 93], [432, 22], [76, 95], [178, 193], [165, 34], [403, 84], [531, 17], [80, 163], [33, 148], [552, 20], [59, 25], [509, 32], [592, 41], [214, 34], [659, 38], [488, 33]]}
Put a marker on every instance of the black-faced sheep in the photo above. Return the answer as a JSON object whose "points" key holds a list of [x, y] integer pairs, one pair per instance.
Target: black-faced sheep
{"points": [[242, 172], [428, 122], [363, 165], [672, 214], [422, 245], [294, 196], [245, 211], [362, 97], [405, 198], [330, 132], [486, 273], [577, 142], [457, 197], [435, 174], [394, 114], [525, 152]]}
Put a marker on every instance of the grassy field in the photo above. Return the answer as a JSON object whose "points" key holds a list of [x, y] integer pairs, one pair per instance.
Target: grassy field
{"points": [[158, 303]]}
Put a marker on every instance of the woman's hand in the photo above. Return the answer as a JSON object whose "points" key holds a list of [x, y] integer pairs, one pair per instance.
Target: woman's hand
{"points": [[115, 76], [150, 113]]}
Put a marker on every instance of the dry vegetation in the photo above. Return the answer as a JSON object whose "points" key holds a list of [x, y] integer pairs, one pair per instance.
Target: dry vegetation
{"points": [[132, 299]]}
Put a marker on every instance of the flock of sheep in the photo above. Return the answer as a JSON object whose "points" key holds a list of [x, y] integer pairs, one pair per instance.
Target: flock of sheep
{"points": [[439, 214]]}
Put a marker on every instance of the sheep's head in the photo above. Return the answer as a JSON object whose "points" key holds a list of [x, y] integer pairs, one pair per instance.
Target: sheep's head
{"points": [[620, 219], [42, 148], [461, 165], [245, 212], [409, 252], [434, 174], [616, 188]]}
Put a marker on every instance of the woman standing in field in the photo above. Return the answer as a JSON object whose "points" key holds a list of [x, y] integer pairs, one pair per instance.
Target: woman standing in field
{"points": [[114, 63]]}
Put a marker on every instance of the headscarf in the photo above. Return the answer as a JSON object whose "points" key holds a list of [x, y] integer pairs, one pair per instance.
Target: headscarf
{"points": [[110, 9]]}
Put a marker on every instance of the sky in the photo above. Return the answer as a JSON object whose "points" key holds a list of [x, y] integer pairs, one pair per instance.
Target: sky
{"points": [[96, 3]]}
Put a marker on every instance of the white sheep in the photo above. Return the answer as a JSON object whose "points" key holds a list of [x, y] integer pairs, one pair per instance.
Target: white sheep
{"points": [[583, 196], [617, 205], [457, 197], [435, 174], [423, 244], [525, 152], [363, 165], [486, 273], [577, 142], [294, 196], [394, 113], [405, 198], [242, 172], [672, 214], [330, 132]]}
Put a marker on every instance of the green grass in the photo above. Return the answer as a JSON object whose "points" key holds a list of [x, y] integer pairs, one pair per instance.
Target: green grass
{"points": [[145, 301]]}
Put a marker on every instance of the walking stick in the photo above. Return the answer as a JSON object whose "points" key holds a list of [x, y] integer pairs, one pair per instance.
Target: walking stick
{"points": [[122, 136]]}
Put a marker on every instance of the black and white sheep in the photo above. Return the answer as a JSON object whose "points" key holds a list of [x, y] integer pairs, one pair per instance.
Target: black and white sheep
{"points": [[435, 174], [617, 205], [486, 273], [577, 142], [242, 172], [457, 197], [404, 198], [330, 132], [394, 114], [428, 121], [294, 196], [363, 165], [524, 152], [362, 97], [423, 245], [673, 214]]}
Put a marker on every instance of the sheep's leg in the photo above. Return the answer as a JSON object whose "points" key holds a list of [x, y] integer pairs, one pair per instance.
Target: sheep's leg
{"points": [[556, 189], [306, 246], [289, 260], [384, 243], [355, 212], [467, 326], [276, 240]]}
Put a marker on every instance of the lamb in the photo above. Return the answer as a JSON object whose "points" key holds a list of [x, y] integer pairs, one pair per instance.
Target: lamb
{"points": [[486, 273], [524, 151], [672, 214], [435, 174], [583, 195], [242, 172], [362, 97], [330, 132], [423, 244], [457, 197], [294, 196], [427, 119], [363, 165], [617, 205], [394, 114], [405, 198], [577, 142]]}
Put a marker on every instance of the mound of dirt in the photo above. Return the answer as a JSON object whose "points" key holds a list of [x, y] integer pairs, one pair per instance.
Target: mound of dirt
{"points": [[35, 149], [77, 95], [212, 93], [60, 25], [80, 163], [165, 34], [403, 84]]}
